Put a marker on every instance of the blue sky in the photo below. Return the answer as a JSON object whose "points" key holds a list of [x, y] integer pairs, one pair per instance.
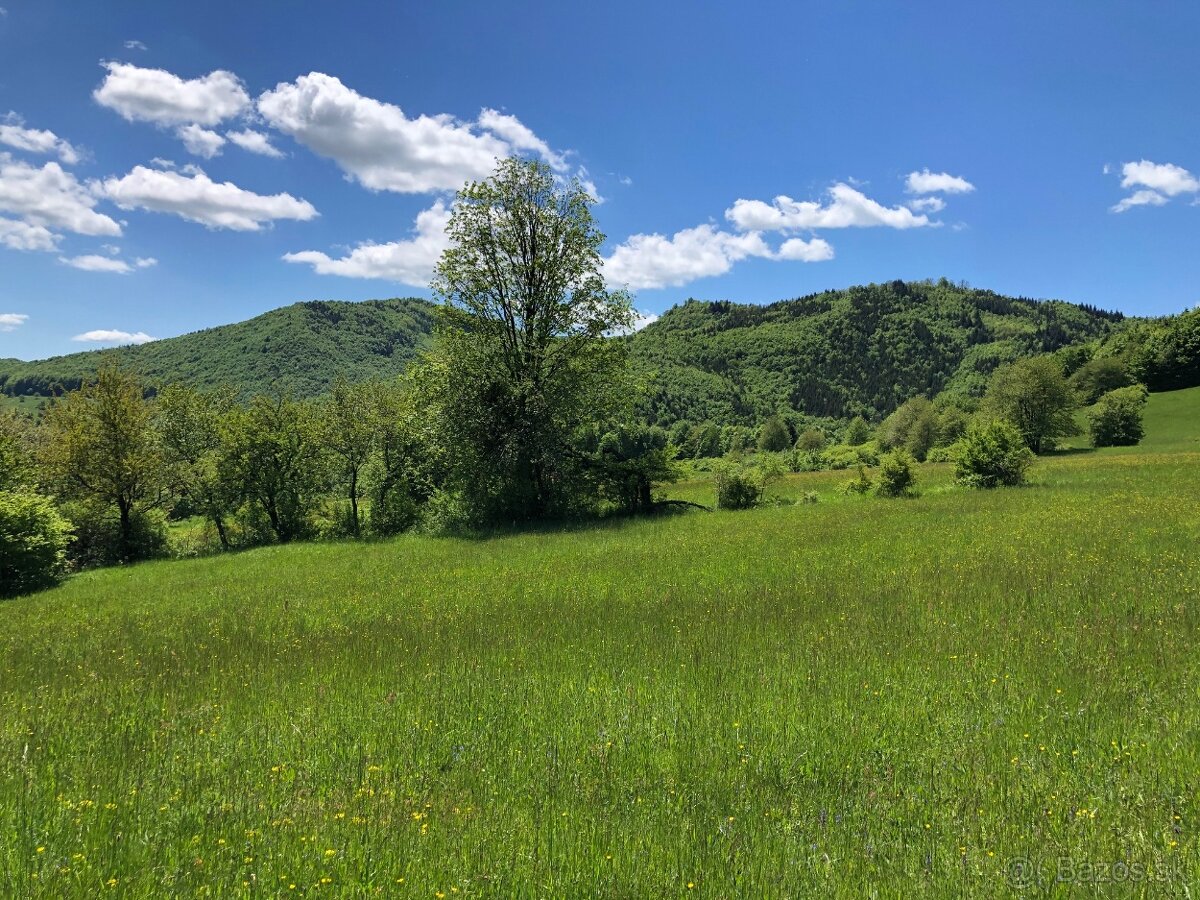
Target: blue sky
{"points": [[168, 167]]}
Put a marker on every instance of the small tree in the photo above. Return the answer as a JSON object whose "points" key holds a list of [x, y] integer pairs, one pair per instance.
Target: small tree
{"points": [[401, 473], [1098, 376], [896, 475], [738, 487], [992, 454], [628, 460], [773, 436], [272, 454], [347, 426], [858, 432], [190, 430], [912, 426], [1116, 419], [102, 448], [1034, 395], [811, 440], [15, 451]]}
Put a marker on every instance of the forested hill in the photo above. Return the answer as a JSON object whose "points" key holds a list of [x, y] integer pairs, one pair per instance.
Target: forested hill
{"points": [[299, 348], [840, 353], [864, 350]]}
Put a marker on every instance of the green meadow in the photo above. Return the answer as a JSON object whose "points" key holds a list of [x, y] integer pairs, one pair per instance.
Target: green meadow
{"points": [[962, 694]]}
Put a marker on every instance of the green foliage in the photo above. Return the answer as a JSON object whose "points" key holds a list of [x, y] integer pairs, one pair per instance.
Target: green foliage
{"points": [[860, 351], [1116, 419], [774, 436], [100, 537], [702, 442], [811, 440], [992, 454], [347, 427], [523, 360], [33, 543], [1169, 357], [896, 475], [273, 456], [1098, 376], [1033, 395], [858, 431], [101, 449], [627, 461], [861, 484], [15, 450], [914, 426], [738, 486]]}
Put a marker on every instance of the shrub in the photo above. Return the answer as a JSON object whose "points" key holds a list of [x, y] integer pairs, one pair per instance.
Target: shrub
{"points": [[896, 476], [33, 543], [739, 487], [992, 455], [860, 485], [1116, 419], [774, 436], [858, 431]]}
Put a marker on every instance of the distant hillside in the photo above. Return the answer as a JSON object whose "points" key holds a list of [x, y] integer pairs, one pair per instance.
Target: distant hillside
{"points": [[864, 350], [839, 353], [299, 348]]}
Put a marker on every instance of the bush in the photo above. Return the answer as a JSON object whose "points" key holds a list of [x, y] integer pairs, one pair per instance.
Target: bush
{"points": [[992, 455], [33, 543], [1116, 419], [896, 476], [860, 485], [99, 540], [739, 487]]}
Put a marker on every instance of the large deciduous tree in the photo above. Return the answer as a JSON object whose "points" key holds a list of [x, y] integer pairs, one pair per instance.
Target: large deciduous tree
{"points": [[522, 360], [1033, 394]]}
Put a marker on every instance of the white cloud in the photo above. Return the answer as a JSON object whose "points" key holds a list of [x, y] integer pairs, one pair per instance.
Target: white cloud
{"points": [[197, 198], [375, 143], [647, 261], [23, 236], [1165, 178], [51, 197], [111, 336], [642, 319], [847, 208], [926, 182], [12, 321], [95, 263], [520, 137], [155, 95], [135, 45], [1139, 198], [1157, 183], [409, 261], [814, 250], [254, 142], [32, 140], [927, 204], [200, 141]]}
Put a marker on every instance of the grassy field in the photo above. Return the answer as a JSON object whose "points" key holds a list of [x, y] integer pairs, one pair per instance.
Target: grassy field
{"points": [[966, 693]]}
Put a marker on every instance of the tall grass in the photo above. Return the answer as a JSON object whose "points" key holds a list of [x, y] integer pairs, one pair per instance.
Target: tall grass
{"points": [[832, 699]]}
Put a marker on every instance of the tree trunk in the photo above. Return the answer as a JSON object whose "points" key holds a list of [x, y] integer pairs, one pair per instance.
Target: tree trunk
{"points": [[354, 499], [126, 530]]}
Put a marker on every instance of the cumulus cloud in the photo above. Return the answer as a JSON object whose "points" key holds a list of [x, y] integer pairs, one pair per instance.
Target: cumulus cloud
{"points": [[51, 197], [926, 182], [1155, 183], [194, 196], [648, 261], [96, 263], [158, 96], [23, 236], [814, 250], [32, 140], [375, 143], [12, 321], [847, 207], [114, 337], [927, 204], [520, 137], [1166, 178], [254, 142], [200, 141], [408, 261]]}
